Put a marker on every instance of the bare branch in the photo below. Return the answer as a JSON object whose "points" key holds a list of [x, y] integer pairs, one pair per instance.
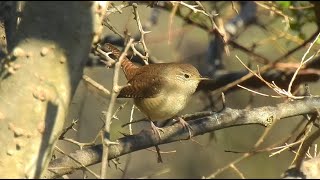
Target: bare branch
{"points": [[303, 62], [96, 85], [237, 171], [142, 36], [146, 138]]}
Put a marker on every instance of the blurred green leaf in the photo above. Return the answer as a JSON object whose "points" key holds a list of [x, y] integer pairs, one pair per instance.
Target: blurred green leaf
{"points": [[318, 41], [284, 4]]}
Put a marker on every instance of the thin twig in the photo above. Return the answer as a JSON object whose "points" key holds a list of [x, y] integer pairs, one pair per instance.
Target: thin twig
{"points": [[126, 166], [162, 152], [106, 58], [142, 34], [282, 141], [118, 109], [256, 92], [83, 166], [192, 7], [287, 18], [285, 147], [109, 115], [172, 14], [204, 12], [96, 85], [220, 170], [131, 119], [227, 118], [73, 123], [116, 8], [222, 33], [264, 68], [272, 85], [81, 145], [307, 143], [303, 62], [107, 23], [232, 166], [244, 156]]}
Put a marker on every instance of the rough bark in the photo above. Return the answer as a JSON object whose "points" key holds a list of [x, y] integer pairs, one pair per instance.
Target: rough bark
{"points": [[50, 48], [210, 122]]}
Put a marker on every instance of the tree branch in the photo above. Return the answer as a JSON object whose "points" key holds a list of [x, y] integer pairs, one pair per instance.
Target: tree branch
{"points": [[146, 138]]}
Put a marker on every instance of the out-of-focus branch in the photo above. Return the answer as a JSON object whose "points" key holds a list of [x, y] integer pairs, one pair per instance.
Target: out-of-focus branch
{"points": [[146, 138], [281, 74], [216, 47]]}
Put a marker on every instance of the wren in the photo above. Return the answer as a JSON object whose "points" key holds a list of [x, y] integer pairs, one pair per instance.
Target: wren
{"points": [[159, 90]]}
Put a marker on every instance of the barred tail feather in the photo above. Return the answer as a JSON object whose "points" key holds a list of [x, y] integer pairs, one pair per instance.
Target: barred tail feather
{"points": [[128, 67]]}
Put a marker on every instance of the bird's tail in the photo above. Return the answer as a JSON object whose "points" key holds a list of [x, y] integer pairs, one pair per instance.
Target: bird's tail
{"points": [[128, 67]]}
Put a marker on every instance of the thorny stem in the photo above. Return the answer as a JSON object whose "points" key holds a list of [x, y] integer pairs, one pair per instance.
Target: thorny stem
{"points": [[109, 114], [142, 32]]}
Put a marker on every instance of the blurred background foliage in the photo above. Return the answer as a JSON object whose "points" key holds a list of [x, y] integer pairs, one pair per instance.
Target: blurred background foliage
{"points": [[277, 27]]}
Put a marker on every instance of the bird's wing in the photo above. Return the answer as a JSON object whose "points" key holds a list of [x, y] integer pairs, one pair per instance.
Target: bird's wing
{"points": [[142, 87]]}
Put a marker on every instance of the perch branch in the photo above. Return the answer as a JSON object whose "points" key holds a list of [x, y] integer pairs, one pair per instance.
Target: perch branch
{"points": [[146, 138]]}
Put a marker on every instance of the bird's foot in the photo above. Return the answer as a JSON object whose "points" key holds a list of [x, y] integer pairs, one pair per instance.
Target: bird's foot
{"points": [[156, 129], [186, 126]]}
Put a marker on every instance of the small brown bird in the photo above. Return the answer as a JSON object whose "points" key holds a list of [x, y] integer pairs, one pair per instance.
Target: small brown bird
{"points": [[160, 90]]}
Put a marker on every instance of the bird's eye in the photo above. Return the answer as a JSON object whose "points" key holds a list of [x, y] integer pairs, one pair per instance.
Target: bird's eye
{"points": [[186, 76]]}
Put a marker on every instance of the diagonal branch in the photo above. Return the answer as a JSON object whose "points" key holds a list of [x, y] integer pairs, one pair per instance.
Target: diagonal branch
{"points": [[146, 138]]}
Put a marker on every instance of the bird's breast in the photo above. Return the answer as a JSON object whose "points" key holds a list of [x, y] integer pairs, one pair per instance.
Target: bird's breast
{"points": [[162, 107]]}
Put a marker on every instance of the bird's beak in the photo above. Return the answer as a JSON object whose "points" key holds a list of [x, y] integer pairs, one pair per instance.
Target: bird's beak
{"points": [[203, 78], [200, 78]]}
